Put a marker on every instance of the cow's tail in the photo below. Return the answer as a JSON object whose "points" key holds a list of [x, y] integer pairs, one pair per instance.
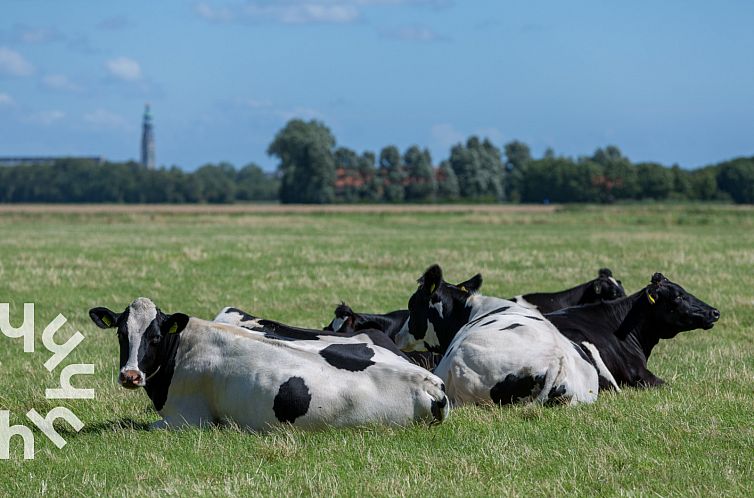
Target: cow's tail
{"points": [[554, 389]]}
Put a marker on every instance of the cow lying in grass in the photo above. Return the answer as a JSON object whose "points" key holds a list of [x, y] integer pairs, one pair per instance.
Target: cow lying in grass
{"points": [[494, 349], [198, 372], [624, 332], [602, 288]]}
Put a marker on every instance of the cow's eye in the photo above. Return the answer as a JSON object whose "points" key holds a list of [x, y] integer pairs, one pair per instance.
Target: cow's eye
{"points": [[678, 299]]}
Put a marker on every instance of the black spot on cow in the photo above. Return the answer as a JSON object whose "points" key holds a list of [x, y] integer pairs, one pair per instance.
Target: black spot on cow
{"points": [[535, 318], [488, 323], [437, 408], [513, 388], [512, 326], [556, 395], [280, 332], [292, 400], [493, 312], [514, 299], [353, 357]]}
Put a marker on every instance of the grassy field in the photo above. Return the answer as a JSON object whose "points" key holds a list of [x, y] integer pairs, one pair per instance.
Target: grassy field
{"points": [[693, 437]]}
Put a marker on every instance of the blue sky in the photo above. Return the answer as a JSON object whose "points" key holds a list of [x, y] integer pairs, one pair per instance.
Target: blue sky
{"points": [[670, 81]]}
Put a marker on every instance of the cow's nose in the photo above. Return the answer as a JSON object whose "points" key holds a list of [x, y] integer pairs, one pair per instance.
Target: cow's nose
{"points": [[130, 377], [714, 314]]}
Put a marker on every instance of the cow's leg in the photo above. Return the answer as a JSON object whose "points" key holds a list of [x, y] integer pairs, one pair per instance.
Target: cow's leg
{"points": [[648, 379]]}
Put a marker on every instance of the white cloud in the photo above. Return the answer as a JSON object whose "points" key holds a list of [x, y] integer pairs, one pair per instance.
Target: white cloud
{"points": [[37, 35], [124, 68], [446, 136], [414, 33], [216, 14], [60, 82], [285, 12], [13, 63], [6, 100], [102, 118], [45, 118]]}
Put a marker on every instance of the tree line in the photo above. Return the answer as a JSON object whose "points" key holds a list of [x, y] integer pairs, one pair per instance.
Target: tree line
{"points": [[314, 169]]}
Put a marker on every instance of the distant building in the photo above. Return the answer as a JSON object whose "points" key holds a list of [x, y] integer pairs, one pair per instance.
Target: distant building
{"points": [[46, 160], [147, 140]]}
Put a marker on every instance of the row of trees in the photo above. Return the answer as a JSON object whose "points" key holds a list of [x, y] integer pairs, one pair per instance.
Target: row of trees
{"points": [[81, 180], [313, 169]]}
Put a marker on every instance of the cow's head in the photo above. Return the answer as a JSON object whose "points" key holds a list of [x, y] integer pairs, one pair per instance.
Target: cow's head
{"points": [[142, 333], [437, 310], [675, 310], [604, 288]]}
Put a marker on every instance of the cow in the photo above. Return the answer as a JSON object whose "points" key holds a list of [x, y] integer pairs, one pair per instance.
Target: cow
{"points": [[624, 332], [496, 350], [603, 288], [199, 373]]}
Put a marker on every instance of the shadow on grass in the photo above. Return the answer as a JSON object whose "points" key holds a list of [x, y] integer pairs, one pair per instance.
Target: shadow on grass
{"points": [[125, 424]]}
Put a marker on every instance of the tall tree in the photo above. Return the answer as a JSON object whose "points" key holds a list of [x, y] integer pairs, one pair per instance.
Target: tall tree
{"points": [[421, 176], [517, 157], [307, 164], [655, 181], [620, 180], [479, 169], [393, 174], [447, 183]]}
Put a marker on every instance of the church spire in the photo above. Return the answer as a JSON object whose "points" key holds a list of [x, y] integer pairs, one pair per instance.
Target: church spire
{"points": [[147, 140]]}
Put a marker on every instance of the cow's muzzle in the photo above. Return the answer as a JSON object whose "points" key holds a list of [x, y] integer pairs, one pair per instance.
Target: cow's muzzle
{"points": [[131, 379]]}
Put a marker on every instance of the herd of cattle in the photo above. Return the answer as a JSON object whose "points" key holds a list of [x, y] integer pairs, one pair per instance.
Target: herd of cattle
{"points": [[451, 346]]}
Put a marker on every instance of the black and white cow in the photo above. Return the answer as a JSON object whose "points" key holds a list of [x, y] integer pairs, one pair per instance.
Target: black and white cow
{"points": [[198, 372], [494, 349], [602, 288], [625, 331]]}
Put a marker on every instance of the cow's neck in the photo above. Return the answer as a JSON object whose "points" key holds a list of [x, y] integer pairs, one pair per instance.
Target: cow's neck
{"points": [[158, 385], [572, 295], [628, 319]]}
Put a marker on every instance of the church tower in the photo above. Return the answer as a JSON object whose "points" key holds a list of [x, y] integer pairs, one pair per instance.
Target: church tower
{"points": [[147, 140]]}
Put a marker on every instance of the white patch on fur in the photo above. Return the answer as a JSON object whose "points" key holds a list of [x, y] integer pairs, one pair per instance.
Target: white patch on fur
{"points": [[337, 324], [140, 314], [601, 367], [438, 307]]}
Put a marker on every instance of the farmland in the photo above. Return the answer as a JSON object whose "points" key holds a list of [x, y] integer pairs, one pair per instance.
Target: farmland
{"points": [[694, 436]]}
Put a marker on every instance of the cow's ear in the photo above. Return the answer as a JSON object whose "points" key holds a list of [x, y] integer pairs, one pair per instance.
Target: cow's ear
{"points": [[597, 287], [174, 323], [471, 285], [103, 317], [431, 279], [604, 272]]}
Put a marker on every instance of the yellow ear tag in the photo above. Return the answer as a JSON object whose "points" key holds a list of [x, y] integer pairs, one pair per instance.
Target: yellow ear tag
{"points": [[651, 299], [432, 289], [106, 320], [173, 329], [464, 289]]}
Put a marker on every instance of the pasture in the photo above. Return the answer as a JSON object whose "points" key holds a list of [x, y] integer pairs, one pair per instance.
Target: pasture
{"points": [[694, 436]]}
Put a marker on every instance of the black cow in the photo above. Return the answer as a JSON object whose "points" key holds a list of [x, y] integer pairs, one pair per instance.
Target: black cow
{"points": [[625, 331], [602, 288]]}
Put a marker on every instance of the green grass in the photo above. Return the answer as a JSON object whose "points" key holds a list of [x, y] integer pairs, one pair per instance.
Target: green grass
{"points": [[693, 437]]}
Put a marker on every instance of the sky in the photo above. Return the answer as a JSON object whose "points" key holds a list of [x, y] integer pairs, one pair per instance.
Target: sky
{"points": [[669, 81]]}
